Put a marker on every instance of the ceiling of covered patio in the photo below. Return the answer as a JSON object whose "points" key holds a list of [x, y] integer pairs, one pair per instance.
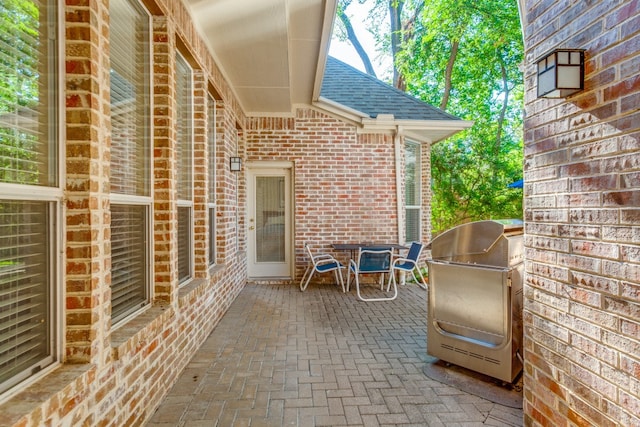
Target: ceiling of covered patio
{"points": [[272, 52]]}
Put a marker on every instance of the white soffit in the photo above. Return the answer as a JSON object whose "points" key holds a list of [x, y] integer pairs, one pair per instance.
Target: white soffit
{"points": [[269, 50]]}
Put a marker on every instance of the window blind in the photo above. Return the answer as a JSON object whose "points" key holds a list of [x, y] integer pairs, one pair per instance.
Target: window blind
{"points": [[211, 141], [412, 192], [130, 99], [28, 157], [25, 339], [184, 243], [184, 128], [128, 259], [184, 135], [130, 157]]}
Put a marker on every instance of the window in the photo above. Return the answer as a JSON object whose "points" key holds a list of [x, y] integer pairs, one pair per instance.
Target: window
{"points": [[30, 196], [412, 199], [211, 141], [184, 136], [130, 158]]}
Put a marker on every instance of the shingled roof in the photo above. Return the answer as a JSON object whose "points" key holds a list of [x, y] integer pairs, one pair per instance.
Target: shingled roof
{"points": [[361, 92]]}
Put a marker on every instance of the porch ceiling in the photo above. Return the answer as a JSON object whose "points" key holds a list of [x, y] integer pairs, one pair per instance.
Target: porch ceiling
{"points": [[271, 51]]}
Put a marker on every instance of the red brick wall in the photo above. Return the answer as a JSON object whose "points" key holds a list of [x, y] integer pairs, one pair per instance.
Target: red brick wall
{"points": [[87, 204], [582, 198], [344, 189], [116, 377], [344, 182]]}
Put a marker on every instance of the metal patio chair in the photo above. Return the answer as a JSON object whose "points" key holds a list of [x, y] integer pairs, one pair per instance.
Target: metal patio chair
{"points": [[371, 261], [408, 263], [321, 263]]}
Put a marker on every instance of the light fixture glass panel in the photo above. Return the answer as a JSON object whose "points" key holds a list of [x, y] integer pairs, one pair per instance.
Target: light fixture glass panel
{"points": [[569, 77], [563, 58], [575, 58], [551, 60], [546, 82]]}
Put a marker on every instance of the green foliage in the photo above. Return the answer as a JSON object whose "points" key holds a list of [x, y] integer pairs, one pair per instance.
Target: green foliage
{"points": [[471, 171], [19, 35], [463, 56], [19, 90]]}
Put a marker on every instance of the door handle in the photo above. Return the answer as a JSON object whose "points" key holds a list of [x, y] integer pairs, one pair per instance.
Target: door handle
{"points": [[251, 227]]}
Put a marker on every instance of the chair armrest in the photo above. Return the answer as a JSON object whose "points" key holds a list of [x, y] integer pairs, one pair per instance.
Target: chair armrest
{"points": [[403, 261], [325, 259]]}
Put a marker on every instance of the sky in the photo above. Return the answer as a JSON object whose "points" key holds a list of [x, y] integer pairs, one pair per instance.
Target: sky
{"points": [[345, 52]]}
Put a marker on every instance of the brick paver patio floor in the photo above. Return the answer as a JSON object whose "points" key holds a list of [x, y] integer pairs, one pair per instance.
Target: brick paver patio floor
{"points": [[281, 357]]}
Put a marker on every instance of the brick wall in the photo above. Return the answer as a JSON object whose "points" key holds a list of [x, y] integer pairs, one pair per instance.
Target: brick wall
{"points": [[116, 377], [344, 185], [87, 224], [582, 198], [344, 181]]}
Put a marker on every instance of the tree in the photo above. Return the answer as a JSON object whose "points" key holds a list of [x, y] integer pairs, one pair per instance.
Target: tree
{"points": [[19, 90], [467, 62], [464, 56], [353, 38], [400, 28]]}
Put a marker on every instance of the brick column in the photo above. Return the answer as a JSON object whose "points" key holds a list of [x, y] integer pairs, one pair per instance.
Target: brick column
{"points": [[227, 197], [87, 275], [165, 217]]}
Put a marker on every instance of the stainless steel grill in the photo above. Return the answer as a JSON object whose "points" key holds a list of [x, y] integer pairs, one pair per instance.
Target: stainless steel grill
{"points": [[474, 317]]}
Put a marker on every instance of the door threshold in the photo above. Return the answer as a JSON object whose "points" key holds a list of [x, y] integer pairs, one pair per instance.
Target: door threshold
{"points": [[270, 280]]}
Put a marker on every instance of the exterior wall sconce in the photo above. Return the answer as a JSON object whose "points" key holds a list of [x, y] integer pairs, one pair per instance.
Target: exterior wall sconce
{"points": [[561, 73], [235, 164]]}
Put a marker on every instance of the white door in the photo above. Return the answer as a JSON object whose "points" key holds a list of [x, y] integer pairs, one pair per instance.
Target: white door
{"points": [[269, 223]]}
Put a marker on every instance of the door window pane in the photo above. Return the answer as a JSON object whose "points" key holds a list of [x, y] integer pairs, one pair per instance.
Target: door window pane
{"points": [[270, 238]]}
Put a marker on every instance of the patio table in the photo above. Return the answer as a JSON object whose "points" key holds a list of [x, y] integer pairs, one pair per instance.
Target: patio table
{"points": [[354, 247]]}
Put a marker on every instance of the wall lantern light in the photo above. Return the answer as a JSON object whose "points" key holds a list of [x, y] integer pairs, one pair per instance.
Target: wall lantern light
{"points": [[234, 164], [561, 73]]}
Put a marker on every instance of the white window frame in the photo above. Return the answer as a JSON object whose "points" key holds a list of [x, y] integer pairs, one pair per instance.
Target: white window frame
{"points": [[212, 200], [187, 203], [143, 200], [117, 199], [418, 191], [53, 195]]}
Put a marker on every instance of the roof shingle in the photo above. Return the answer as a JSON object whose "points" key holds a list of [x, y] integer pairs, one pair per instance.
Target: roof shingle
{"points": [[359, 91]]}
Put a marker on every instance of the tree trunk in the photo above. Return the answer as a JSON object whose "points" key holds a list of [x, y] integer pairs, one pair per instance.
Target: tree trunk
{"points": [[351, 35], [505, 105], [448, 73], [395, 12]]}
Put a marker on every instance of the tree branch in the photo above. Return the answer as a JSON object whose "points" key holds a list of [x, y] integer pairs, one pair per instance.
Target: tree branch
{"points": [[448, 73], [505, 105], [353, 39], [395, 15]]}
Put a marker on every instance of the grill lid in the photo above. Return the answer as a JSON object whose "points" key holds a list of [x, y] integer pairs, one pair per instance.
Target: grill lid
{"points": [[467, 242]]}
